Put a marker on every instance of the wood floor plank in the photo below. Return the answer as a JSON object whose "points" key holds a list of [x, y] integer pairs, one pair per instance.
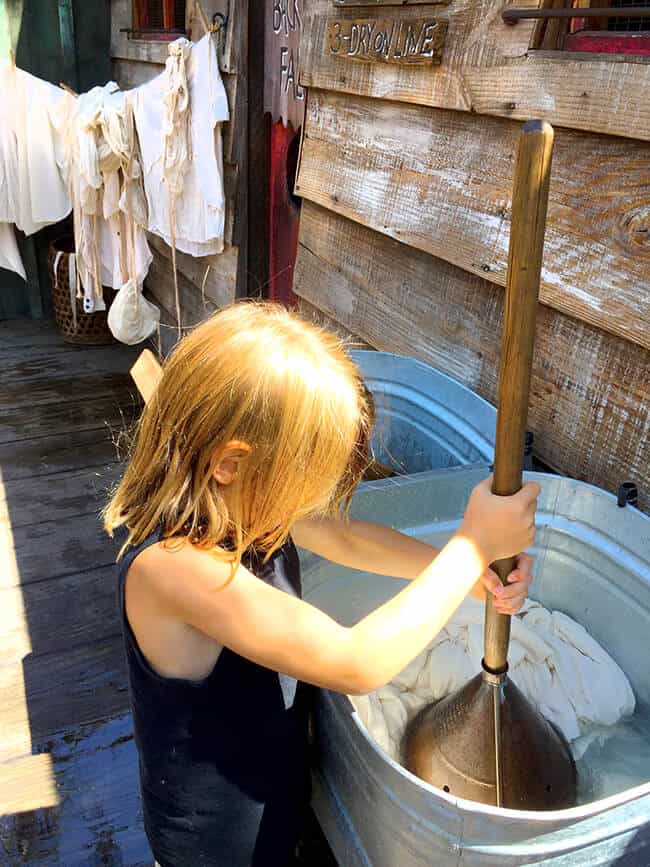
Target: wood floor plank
{"points": [[50, 549], [73, 492], [62, 389], [34, 333], [25, 422], [98, 818], [29, 364], [53, 692], [56, 615], [60, 452]]}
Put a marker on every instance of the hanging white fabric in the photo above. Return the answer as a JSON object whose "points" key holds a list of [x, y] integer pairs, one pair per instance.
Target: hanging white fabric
{"points": [[10, 257], [200, 205], [33, 189], [106, 183]]}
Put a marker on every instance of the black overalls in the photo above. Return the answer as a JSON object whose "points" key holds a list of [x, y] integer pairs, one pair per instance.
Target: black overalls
{"points": [[224, 765]]}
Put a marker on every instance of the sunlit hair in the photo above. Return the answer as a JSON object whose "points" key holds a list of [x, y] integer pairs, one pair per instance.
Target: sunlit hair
{"points": [[258, 374]]}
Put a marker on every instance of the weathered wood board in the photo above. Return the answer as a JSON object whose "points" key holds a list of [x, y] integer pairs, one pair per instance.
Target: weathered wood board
{"points": [[590, 393], [53, 548], [58, 452], [143, 50], [83, 490], [441, 181], [417, 41], [32, 615], [218, 272], [487, 68], [68, 772], [57, 691], [78, 803], [107, 410], [284, 96]]}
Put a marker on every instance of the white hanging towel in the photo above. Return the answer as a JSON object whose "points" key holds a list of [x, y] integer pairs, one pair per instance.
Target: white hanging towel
{"points": [[558, 666], [33, 188], [197, 223], [9, 253]]}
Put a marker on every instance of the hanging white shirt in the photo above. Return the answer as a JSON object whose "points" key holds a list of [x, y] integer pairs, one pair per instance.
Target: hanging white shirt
{"points": [[34, 191], [200, 206], [9, 192], [9, 253]]}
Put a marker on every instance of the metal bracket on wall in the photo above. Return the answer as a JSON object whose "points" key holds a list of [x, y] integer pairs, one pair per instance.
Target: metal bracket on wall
{"points": [[512, 15]]}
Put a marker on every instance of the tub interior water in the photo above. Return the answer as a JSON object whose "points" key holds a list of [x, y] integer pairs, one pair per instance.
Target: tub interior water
{"points": [[615, 758]]}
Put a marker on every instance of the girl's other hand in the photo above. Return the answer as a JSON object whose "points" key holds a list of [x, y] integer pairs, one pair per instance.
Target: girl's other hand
{"points": [[509, 599]]}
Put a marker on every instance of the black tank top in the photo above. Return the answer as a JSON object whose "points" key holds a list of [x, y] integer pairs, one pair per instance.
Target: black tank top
{"points": [[224, 767]]}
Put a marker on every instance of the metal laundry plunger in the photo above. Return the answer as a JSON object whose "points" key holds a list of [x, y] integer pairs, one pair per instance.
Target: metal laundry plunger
{"points": [[486, 742]]}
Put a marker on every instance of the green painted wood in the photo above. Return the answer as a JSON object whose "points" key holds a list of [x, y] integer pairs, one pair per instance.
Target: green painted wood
{"points": [[68, 46]]}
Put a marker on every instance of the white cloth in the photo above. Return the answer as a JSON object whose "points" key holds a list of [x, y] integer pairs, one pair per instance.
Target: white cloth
{"points": [[200, 204], [10, 257], [558, 666], [33, 190], [106, 183], [131, 317]]}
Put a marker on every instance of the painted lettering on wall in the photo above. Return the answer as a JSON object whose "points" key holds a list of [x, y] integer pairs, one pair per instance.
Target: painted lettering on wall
{"points": [[287, 20], [388, 40]]}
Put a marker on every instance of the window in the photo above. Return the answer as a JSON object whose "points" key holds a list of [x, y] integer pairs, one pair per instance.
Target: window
{"points": [[158, 19], [599, 34]]}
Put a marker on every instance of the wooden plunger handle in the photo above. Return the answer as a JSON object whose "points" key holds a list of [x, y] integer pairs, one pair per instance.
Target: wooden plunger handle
{"points": [[529, 203]]}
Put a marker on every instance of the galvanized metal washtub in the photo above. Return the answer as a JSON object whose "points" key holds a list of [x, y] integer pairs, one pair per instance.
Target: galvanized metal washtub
{"points": [[592, 562], [425, 419]]}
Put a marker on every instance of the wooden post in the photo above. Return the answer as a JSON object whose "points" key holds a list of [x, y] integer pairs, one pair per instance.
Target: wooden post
{"points": [[527, 225], [146, 373]]}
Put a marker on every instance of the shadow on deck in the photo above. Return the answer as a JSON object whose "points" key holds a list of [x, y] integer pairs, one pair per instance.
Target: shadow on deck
{"points": [[68, 765]]}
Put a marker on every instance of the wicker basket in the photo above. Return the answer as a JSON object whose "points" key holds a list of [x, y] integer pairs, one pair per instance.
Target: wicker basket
{"points": [[92, 328]]}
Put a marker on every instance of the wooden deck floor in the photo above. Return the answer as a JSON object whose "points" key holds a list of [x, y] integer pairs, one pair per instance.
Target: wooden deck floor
{"points": [[68, 766]]}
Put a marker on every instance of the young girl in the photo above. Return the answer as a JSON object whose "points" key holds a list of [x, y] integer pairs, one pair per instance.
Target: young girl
{"points": [[254, 440]]}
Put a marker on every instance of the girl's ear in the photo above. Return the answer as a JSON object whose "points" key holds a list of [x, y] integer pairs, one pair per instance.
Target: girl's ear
{"points": [[227, 468]]}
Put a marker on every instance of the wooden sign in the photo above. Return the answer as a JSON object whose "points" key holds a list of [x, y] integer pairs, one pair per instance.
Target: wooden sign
{"points": [[284, 96], [388, 40]]}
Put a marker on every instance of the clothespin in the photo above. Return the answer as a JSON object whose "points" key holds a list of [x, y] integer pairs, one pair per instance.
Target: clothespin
{"points": [[67, 89], [202, 16]]}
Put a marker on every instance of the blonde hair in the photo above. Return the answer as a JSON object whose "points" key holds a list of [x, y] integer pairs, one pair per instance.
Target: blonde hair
{"points": [[258, 374]]}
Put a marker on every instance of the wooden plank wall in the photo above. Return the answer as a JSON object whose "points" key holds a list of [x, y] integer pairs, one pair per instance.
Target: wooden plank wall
{"points": [[136, 61], [440, 181], [487, 68], [589, 390], [406, 176]]}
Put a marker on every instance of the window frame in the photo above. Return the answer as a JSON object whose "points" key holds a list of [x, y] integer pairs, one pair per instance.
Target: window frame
{"points": [[141, 30], [561, 37]]}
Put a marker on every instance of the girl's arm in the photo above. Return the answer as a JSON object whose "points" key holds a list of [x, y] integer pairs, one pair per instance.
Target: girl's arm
{"points": [[288, 635], [360, 545], [373, 548]]}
